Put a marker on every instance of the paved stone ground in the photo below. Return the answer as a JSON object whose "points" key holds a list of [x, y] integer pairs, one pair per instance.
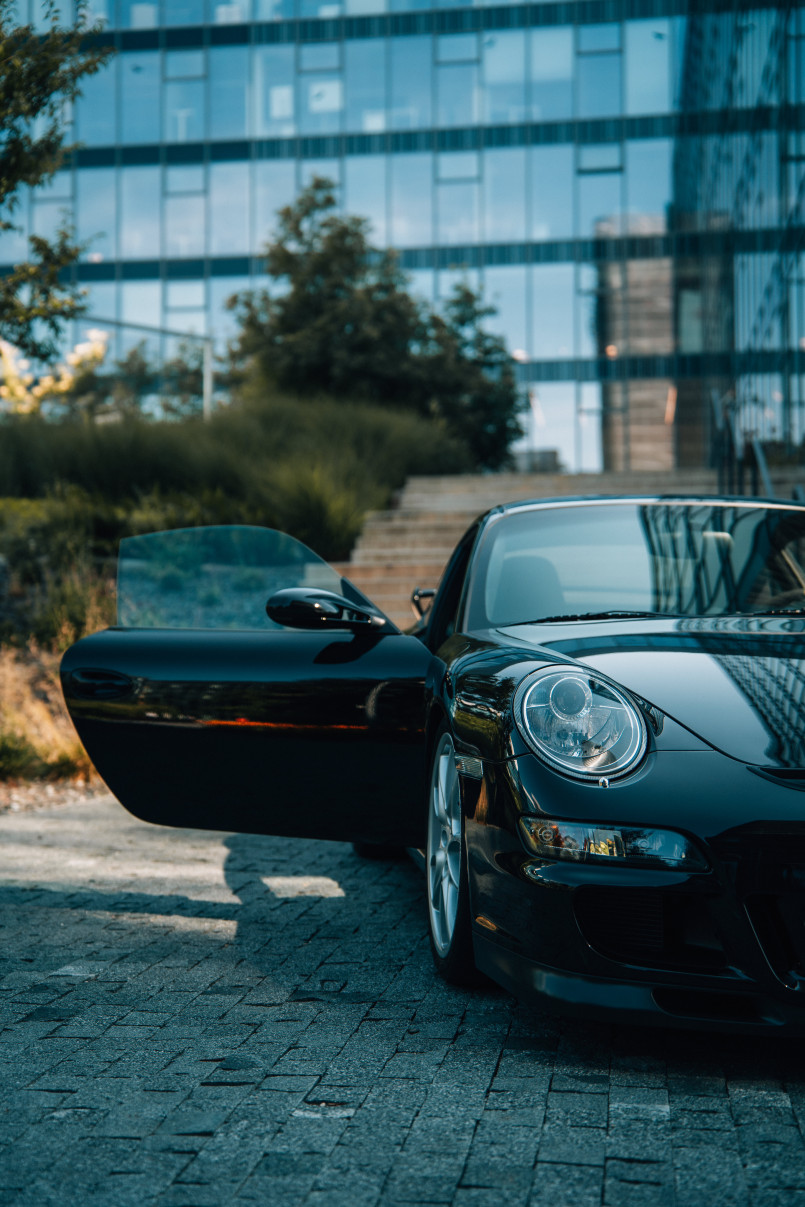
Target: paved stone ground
{"points": [[191, 1019]]}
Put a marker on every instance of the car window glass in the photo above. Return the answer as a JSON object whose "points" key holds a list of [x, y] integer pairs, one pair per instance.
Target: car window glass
{"points": [[214, 578], [675, 558]]}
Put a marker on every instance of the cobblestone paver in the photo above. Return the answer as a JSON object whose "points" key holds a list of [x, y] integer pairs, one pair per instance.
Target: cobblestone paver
{"points": [[191, 1019]]}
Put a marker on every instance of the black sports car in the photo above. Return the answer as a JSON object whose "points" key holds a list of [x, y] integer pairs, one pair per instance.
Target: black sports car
{"points": [[595, 737]]}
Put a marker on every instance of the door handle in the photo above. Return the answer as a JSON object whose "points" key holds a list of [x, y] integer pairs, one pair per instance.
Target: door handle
{"points": [[90, 684]]}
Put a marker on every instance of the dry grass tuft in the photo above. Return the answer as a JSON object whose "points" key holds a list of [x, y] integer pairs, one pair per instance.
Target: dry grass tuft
{"points": [[37, 739]]}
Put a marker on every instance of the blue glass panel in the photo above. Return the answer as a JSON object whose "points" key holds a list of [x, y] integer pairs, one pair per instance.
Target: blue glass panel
{"points": [[505, 289], [140, 216], [320, 8], [140, 302], [184, 233], [183, 64], [599, 85], [223, 322], [185, 178], [274, 187], [355, 7], [183, 12], [321, 103], [599, 37], [447, 279], [458, 94], [504, 77], [96, 213], [100, 12], [551, 192], [320, 56], [229, 209], [552, 420], [648, 179], [139, 97], [365, 192], [274, 91], [48, 216], [551, 56], [404, 6], [648, 75], [587, 310], [327, 169], [410, 107], [599, 200], [597, 157], [274, 10], [552, 310], [231, 12], [184, 111], [102, 298], [411, 200], [184, 295], [422, 284], [96, 108], [457, 205], [229, 90], [457, 48], [505, 195], [458, 165], [365, 82], [138, 14]]}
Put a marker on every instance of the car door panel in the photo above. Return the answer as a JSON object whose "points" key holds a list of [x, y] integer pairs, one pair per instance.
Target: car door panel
{"points": [[199, 711]]}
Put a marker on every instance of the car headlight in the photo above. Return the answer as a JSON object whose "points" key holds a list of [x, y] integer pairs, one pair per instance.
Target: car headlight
{"points": [[580, 723], [632, 845]]}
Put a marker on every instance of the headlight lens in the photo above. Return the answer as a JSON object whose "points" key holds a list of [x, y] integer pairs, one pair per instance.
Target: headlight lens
{"points": [[610, 844], [580, 723]]}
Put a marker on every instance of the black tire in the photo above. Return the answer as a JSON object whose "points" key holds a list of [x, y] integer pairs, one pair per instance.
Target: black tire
{"points": [[446, 880]]}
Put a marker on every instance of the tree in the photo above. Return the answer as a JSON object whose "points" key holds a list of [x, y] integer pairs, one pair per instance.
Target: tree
{"points": [[39, 73], [345, 325]]}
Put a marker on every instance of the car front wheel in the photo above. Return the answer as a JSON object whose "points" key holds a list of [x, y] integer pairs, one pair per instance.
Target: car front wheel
{"points": [[448, 891]]}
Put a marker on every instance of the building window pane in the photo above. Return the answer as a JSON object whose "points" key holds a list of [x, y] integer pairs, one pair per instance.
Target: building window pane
{"points": [[552, 306], [274, 187], [551, 192], [274, 91], [321, 102], [229, 86], [505, 196], [648, 76], [182, 12], [599, 88], [274, 10], [96, 213], [457, 85], [139, 98], [599, 205], [138, 14], [320, 56], [457, 206], [140, 302], [48, 216], [184, 178], [184, 64], [14, 243], [365, 79], [96, 108], [184, 226], [229, 209], [599, 37], [504, 77], [551, 74], [184, 111], [354, 7], [457, 48], [411, 200], [325, 169], [140, 213], [505, 289], [365, 192], [458, 165], [223, 321], [648, 182], [410, 107]]}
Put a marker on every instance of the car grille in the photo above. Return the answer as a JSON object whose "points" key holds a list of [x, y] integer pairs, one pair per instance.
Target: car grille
{"points": [[649, 927]]}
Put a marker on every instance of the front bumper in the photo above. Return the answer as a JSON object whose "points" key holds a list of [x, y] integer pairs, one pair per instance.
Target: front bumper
{"points": [[725, 947]]}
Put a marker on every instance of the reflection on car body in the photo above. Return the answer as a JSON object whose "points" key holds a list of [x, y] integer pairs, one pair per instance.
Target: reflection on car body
{"points": [[594, 735]]}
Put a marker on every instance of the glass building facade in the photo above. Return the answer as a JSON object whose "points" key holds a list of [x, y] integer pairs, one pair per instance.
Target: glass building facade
{"points": [[622, 178]]}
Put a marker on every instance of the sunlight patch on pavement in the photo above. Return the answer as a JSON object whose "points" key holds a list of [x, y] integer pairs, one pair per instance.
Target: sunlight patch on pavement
{"points": [[303, 886]]}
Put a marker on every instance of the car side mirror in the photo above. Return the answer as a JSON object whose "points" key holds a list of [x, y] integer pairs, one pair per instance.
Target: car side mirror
{"points": [[313, 608], [421, 600]]}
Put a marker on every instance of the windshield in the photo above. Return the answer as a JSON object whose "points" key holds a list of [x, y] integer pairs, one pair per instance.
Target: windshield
{"points": [[676, 558], [214, 578]]}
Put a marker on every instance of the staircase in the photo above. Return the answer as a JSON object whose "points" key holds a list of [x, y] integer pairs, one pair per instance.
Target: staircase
{"points": [[409, 546]]}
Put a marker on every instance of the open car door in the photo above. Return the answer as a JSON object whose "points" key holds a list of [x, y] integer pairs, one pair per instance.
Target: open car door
{"points": [[199, 710]]}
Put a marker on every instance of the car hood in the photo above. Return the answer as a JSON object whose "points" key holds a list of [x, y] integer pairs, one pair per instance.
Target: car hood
{"points": [[736, 682]]}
